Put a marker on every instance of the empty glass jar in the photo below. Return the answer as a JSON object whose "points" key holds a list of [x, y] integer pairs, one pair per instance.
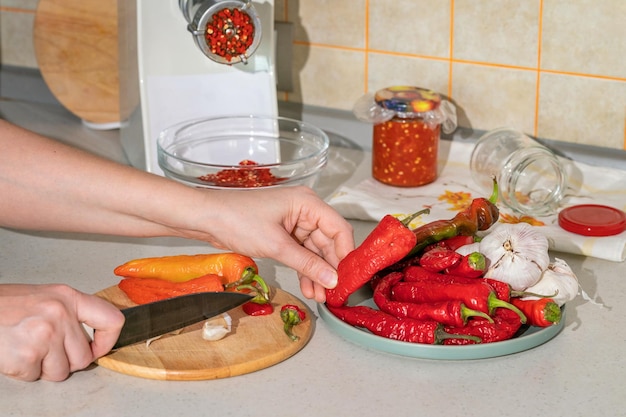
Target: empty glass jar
{"points": [[531, 179]]}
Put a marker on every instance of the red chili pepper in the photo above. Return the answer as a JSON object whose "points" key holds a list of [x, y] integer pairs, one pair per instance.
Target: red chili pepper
{"points": [[451, 313], [256, 309], [507, 293], [415, 273], [505, 325], [453, 243], [438, 259], [388, 243], [478, 295], [503, 290], [291, 315], [403, 329], [543, 312], [472, 265]]}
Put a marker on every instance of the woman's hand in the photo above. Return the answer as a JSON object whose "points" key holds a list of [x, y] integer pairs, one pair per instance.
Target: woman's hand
{"points": [[41, 335], [291, 225]]}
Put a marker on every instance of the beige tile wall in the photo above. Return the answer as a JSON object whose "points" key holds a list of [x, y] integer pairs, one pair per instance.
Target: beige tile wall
{"points": [[555, 69]]}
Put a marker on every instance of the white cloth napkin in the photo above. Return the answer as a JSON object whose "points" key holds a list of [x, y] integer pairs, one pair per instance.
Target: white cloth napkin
{"points": [[363, 198]]}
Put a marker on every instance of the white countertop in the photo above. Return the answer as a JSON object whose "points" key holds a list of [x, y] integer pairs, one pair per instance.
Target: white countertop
{"points": [[579, 373]]}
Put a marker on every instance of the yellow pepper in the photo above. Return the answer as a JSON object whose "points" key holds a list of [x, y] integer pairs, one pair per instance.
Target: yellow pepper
{"points": [[231, 267]]}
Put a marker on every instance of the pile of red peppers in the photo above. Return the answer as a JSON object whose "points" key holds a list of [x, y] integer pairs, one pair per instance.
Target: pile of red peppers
{"points": [[426, 292]]}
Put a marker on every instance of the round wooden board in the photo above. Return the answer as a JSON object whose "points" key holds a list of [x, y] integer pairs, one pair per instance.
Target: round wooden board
{"points": [[76, 46], [255, 343]]}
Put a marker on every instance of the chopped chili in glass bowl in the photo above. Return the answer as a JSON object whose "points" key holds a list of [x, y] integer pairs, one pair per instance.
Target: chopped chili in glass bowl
{"points": [[246, 175], [243, 152]]}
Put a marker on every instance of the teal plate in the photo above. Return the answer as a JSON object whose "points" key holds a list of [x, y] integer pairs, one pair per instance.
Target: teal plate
{"points": [[528, 338]]}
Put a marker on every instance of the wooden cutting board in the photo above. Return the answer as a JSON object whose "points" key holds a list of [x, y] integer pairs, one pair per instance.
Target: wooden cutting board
{"points": [[76, 46], [255, 343]]}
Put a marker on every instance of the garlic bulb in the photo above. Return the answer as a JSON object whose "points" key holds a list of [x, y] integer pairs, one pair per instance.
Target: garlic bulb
{"points": [[559, 279], [517, 254], [216, 328]]}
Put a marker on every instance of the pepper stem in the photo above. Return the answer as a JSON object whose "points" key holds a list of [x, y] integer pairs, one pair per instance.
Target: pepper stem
{"points": [[477, 261], [290, 318], [407, 220], [441, 335], [494, 194], [467, 312], [248, 281], [552, 313], [247, 277], [494, 302]]}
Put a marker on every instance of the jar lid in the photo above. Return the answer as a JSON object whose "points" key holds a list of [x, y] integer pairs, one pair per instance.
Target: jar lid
{"points": [[407, 100], [593, 220]]}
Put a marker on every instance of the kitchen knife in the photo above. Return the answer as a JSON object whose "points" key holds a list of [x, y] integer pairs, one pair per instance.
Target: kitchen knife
{"points": [[155, 319]]}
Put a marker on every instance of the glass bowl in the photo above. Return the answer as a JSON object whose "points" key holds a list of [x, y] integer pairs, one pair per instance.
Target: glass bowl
{"points": [[243, 152]]}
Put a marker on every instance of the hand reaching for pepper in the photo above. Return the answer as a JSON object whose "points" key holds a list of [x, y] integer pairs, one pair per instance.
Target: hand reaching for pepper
{"points": [[41, 336], [293, 226]]}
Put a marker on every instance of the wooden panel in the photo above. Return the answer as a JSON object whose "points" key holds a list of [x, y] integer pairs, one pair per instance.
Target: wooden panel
{"points": [[76, 46]]}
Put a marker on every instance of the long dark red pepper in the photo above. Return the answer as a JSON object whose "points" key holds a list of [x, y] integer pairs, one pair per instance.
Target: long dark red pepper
{"points": [[480, 215], [543, 312], [477, 296], [451, 313], [507, 293], [403, 329], [505, 325], [389, 242], [538, 313]]}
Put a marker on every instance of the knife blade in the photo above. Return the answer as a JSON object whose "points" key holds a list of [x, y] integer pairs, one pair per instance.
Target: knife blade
{"points": [[155, 319]]}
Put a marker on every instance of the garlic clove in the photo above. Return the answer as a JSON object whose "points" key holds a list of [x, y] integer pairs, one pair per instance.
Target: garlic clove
{"points": [[217, 328], [558, 278]]}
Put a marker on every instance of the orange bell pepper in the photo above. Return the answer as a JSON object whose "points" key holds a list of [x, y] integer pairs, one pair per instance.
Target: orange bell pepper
{"points": [[149, 290], [231, 267]]}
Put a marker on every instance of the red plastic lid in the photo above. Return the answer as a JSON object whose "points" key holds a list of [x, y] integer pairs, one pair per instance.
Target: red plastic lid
{"points": [[593, 220]]}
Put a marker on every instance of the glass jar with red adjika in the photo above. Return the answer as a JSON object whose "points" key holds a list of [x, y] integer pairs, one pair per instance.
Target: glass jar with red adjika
{"points": [[407, 127]]}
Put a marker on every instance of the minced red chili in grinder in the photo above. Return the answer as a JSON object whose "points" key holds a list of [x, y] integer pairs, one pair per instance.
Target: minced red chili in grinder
{"points": [[230, 33]]}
